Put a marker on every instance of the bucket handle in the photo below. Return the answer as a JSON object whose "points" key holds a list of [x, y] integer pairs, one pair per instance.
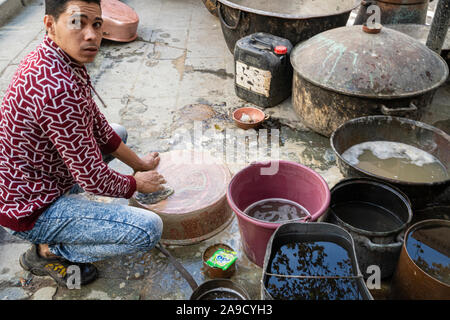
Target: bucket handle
{"points": [[219, 10], [375, 246], [267, 45], [392, 111]]}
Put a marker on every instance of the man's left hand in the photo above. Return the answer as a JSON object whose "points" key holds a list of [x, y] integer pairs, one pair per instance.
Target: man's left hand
{"points": [[148, 162]]}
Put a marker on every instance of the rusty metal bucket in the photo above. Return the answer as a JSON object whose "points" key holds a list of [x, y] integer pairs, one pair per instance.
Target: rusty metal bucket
{"points": [[411, 281], [395, 11], [120, 22]]}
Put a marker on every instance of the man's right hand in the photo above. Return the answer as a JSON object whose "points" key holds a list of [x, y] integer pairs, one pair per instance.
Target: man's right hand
{"points": [[149, 181]]}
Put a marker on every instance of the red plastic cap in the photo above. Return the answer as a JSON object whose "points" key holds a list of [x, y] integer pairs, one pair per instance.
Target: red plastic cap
{"points": [[280, 50]]}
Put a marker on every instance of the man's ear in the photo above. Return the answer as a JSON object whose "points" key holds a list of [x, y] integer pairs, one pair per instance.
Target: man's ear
{"points": [[49, 23]]}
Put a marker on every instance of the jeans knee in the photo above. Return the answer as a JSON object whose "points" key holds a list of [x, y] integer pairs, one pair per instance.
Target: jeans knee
{"points": [[121, 131], [152, 231]]}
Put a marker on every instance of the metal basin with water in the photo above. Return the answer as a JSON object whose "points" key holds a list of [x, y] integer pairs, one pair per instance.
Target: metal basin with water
{"points": [[410, 132], [308, 275]]}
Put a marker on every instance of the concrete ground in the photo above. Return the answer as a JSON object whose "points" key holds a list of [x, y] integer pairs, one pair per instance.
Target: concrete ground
{"points": [[178, 71]]}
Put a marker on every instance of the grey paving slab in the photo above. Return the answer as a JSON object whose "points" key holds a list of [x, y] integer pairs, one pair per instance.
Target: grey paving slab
{"points": [[13, 293], [6, 77], [206, 77], [17, 41], [206, 43], [3, 64]]}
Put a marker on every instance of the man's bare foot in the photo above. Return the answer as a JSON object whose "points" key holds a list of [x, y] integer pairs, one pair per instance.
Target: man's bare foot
{"points": [[44, 251]]}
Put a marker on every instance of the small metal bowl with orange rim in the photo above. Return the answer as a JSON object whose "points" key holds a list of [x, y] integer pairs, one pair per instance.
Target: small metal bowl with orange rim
{"points": [[249, 117]]}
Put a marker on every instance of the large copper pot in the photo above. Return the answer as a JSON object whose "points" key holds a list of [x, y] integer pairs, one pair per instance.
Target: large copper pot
{"points": [[290, 19], [351, 72]]}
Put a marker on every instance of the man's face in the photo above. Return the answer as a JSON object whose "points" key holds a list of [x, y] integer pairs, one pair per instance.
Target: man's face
{"points": [[78, 30]]}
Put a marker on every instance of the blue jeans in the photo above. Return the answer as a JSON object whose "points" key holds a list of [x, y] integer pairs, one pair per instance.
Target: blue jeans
{"points": [[84, 231]]}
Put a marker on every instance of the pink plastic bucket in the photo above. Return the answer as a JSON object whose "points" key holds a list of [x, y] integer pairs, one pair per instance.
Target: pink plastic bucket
{"points": [[292, 181]]}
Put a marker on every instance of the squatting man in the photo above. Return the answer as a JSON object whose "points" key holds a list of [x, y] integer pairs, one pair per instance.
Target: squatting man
{"points": [[55, 143]]}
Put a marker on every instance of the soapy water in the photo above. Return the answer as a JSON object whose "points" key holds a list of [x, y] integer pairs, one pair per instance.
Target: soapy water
{"points": [[396, 160], [276, 210]]}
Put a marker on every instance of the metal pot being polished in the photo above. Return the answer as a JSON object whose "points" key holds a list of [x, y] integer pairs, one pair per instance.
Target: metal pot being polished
{"points": [[395, 11], [355, 71], [419, 135], [198, 208], [289, 19]]}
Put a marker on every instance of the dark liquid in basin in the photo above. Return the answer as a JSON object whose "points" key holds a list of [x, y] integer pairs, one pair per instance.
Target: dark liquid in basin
{"points": [[429, 248], [220, 295], [318, 258], [367, 216], [276, 210]]}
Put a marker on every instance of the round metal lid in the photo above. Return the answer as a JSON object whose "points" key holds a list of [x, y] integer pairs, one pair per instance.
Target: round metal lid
{"points": [[419, 32], [387, 64], [294, 9]]}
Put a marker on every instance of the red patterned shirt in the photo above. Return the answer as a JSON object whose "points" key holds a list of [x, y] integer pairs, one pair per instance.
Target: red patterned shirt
{"points": [[51, 137]]}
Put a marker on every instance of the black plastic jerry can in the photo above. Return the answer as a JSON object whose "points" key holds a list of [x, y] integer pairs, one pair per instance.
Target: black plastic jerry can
{"points": [[263, 71]]}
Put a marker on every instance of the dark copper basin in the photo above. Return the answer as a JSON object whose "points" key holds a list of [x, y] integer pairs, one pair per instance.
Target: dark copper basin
{"points": [[198, 209]]}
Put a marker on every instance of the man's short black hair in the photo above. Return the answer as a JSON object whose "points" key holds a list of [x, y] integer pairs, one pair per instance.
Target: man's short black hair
{"points": [[56, 7]]}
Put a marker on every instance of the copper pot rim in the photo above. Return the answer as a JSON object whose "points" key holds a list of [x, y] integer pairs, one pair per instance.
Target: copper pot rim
{"points": [[243, 8]]}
